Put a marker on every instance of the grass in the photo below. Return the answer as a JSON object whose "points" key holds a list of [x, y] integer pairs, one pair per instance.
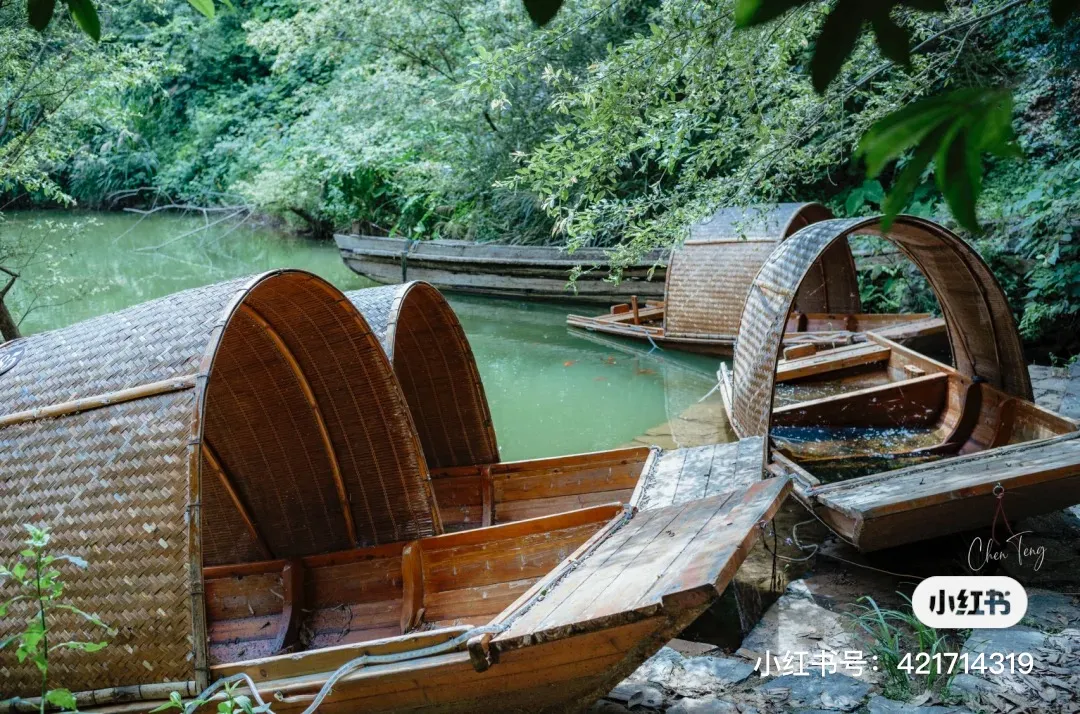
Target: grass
{"points": [[896, 636]]}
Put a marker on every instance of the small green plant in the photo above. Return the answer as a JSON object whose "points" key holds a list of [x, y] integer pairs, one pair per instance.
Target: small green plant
{"points": [[232, 704], [36, 573], [893, 634]]}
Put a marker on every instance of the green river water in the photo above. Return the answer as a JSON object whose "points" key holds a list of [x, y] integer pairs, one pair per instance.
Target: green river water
{"points": [[552, 390]]}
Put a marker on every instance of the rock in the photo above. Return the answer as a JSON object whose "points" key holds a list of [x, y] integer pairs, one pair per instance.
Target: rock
{"points": [[705, 705], [964, 683], [658, 669], [880, 705], [832, 692], [711, 673], [1011, 640], [797, 624], [1051, 538], [637, 696], [687, 677], [690, 649], [1051, 611]]}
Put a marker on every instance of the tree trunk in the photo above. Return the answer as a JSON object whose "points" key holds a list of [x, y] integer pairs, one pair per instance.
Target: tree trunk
{"points": [[9, 330], [319, 228]]}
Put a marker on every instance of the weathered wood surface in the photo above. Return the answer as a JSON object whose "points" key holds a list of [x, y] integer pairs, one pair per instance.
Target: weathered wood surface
{"points": [[507, 270], [953, 495], [663, 559], [832, 361], [960, 477], [987, 437], [914, 402], [683, 475], [516, 490]]}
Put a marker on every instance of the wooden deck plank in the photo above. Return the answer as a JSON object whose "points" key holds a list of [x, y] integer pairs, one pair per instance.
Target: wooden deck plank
{"points": [[832, 360], [630, 589], [720, 544], [683, 475], [961, 477], [911, 403], [619, 551], [682, 551], [566, 587]]}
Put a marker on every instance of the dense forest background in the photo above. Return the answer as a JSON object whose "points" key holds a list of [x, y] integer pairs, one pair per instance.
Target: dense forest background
{"points": [[617, 124]]}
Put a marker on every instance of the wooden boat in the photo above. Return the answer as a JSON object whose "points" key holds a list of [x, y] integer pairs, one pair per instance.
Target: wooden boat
{"points": [[710, 276], [886, 445], [535, 272], [239, 466]]}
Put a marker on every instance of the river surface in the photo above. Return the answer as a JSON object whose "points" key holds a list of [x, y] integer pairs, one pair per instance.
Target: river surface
{"points": [[552, 390]]}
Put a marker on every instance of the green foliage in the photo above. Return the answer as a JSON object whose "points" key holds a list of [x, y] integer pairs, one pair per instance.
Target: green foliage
{"points": [[37, 578], [56, 88], [895, 633], [541, 11], [233, 703], [842, 29], [952, 129], [85, 14]]}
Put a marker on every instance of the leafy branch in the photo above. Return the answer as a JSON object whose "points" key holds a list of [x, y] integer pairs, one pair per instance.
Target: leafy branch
{"points": [[36, 573]]}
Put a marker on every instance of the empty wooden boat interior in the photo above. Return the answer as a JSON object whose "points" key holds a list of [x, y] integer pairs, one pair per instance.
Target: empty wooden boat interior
{"points": [[711, 273], [887, 445], [518, 271], [240, 460]]}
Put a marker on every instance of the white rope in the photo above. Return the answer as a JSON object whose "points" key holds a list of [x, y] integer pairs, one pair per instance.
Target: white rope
{"points": [[355, 664]]}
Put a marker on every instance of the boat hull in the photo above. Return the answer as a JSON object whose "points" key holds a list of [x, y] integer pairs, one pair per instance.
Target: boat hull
{"points": [[524, 272], [986, 444], [921, 333]]}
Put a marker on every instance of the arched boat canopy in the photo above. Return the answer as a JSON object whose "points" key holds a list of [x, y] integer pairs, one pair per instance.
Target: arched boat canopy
{"points": [[435, 365], [734, 243], [982, 330], [250, 420]]}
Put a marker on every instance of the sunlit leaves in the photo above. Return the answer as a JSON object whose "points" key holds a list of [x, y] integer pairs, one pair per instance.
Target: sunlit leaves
{"points": [[42, 588], [952, 130], [542, 11], [842, 28], [61, 698], [85, 15], [206, 7]]}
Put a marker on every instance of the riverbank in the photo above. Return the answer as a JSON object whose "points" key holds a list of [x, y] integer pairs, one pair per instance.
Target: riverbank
{"points": [[808, 598]]}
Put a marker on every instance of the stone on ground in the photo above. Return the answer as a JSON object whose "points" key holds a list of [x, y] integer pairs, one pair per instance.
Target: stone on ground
{"points": [[832, 691]]}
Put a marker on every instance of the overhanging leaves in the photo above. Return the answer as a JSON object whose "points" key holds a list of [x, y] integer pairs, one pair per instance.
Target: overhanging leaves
{"points": [[206, 7], [542, 11], [40, 13], [953, 130], [842, 29], [85, 15], [1062, 10]]}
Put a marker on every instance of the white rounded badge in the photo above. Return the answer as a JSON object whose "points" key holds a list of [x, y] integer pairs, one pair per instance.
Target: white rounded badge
{"points": [[978, 601]]}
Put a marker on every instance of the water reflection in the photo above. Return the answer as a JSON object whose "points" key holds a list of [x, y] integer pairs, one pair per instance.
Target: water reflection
{"points": [[552, 390]]}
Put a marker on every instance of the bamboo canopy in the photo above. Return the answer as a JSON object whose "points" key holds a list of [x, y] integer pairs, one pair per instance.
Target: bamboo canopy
{"points": [[982, 331], [253, 419], [435, 365], [734, 243]]}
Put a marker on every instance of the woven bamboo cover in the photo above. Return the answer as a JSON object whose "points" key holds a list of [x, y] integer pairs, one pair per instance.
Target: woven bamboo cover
{"points": [[771, 222], [117, 478], [710, 275], [982, 329], [437, 371]]}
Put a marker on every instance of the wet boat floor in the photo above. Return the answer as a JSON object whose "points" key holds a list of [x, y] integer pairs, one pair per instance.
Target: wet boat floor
{"points": [[839, 454]]}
